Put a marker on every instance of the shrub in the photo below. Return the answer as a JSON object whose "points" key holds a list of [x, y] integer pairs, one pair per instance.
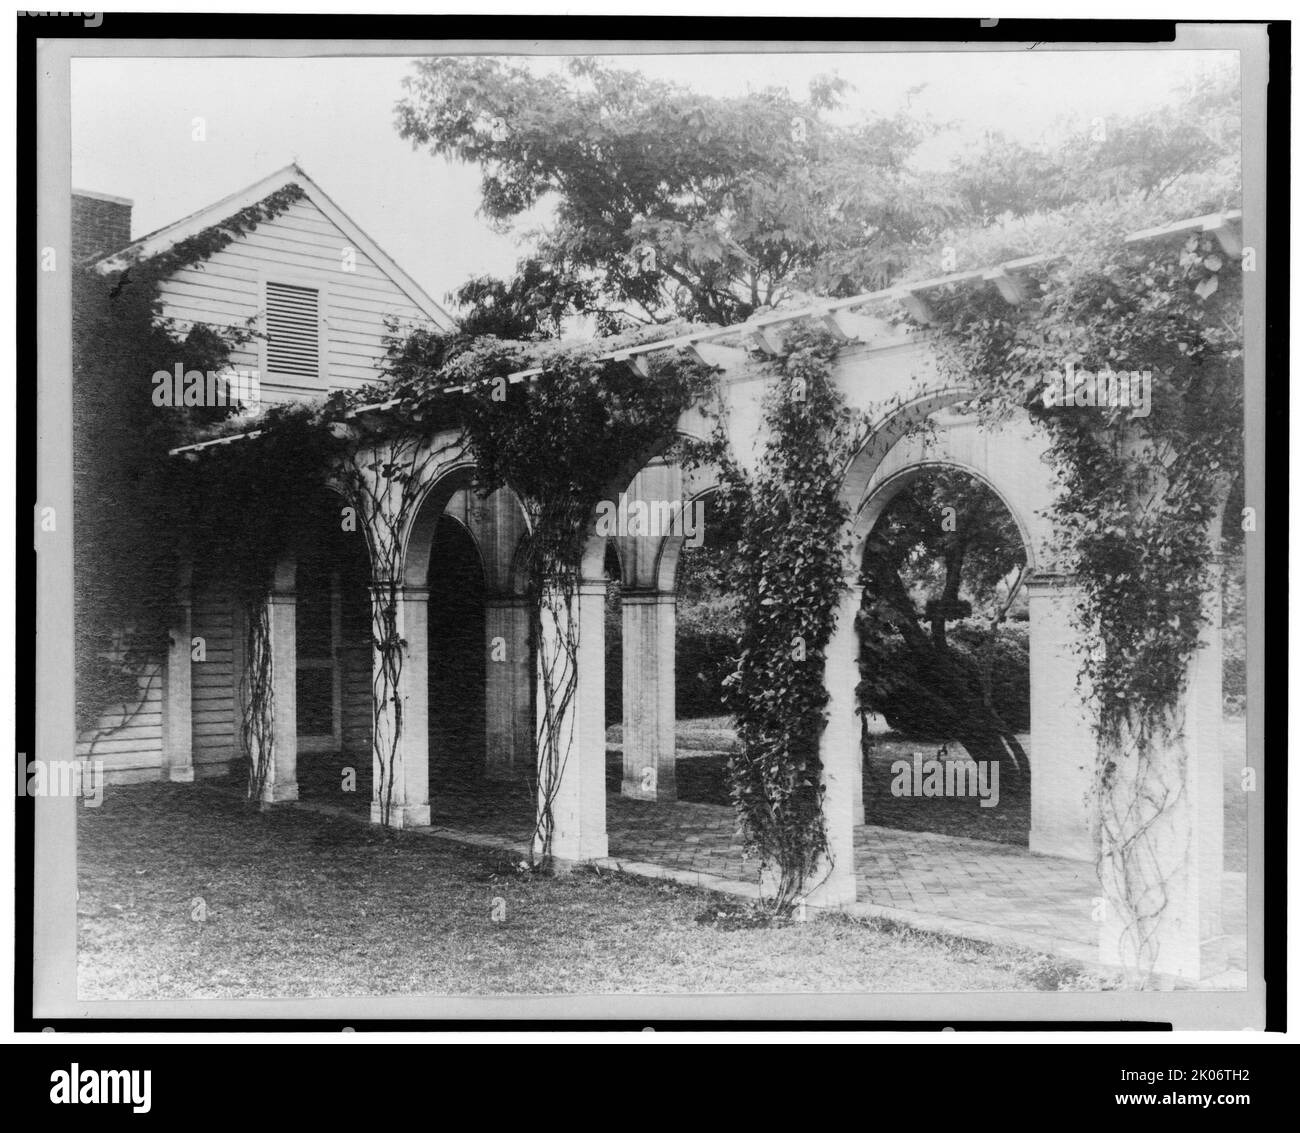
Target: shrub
{"points": [[897, 692]]}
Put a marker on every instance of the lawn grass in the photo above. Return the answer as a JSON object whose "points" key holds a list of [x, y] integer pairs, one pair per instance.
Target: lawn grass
{"points": [[296, 904], [701, 734]]}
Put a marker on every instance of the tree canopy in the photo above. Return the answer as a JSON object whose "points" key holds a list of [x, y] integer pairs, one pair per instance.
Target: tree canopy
{"points": [[945, 555], [666, 203], [674, 204]]}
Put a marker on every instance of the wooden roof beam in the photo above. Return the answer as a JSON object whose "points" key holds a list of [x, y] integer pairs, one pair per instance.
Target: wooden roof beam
{"points": [[714, 354], [1012, 286], [767, 337], [1211, 222], [634, 362], [186, 450], [1226, 229], [917, 307]]}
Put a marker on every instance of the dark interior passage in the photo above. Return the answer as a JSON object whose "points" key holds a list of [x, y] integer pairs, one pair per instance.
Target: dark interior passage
{"points": [[457, 655], [334, 664]]}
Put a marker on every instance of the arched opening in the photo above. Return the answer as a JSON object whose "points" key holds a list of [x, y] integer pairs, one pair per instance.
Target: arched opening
{"points": [[708, 628], [333, 654], [944, 658], [456, 652], [638, 538]]}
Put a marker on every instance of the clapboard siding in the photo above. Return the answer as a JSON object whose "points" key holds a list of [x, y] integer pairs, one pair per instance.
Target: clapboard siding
{"points": [[238, 265], [302, 246], [357, 702], [212, 682], [132, 738]]}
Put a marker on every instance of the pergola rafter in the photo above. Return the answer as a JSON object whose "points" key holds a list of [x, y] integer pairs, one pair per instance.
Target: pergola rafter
{"points": [[763, 331]]}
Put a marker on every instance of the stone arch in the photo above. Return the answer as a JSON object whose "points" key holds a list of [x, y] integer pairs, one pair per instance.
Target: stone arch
{"points": [[887, 485], [593, 558], [670, 549], [648, 635], [503, 569], [417, 540], [892, 429], [502, 561], [456, 646], [1010, 459], [900, 449], [498, 543], [510, 575], [884, 488]]}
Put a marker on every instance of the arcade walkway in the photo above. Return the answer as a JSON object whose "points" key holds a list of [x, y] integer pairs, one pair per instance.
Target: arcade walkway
{"points": [[986, 891]]}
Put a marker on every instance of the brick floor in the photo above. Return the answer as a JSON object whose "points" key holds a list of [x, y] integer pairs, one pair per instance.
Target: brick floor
{"points": [[929, 879]]}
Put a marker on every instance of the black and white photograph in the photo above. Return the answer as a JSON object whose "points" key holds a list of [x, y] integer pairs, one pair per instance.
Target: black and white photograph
{"points": [[652, 529]]}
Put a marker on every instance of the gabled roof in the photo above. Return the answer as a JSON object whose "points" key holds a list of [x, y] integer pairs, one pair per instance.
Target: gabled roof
{"points": [[172, 234]]}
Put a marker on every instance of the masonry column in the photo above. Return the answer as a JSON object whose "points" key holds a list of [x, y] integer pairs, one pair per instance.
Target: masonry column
{"points": [[1205, 692], [571, 724], [281, 782], [509, 677], [649, 696], [834, 883], [400, 751], [1176, 799], [1063, 753], [859, 807], [1151, 855], [178, 731]]}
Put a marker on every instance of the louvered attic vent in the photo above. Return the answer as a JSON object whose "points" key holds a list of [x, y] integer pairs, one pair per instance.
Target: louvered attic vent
{"points": [[293, 330]]}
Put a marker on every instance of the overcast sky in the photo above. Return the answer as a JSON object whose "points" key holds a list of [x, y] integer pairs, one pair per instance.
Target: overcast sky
{"points": [[131, 128]]}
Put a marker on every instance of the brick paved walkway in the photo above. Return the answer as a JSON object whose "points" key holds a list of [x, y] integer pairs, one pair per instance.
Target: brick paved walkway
{"points": [[990, 890]]}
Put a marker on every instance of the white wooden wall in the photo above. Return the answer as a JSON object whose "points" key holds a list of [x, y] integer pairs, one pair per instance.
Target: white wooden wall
{"points": [[132, 746], [213, 682], [301, 246]]}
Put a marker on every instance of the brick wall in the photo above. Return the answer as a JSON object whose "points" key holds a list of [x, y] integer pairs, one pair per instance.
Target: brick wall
{"points": [[100, 225]]}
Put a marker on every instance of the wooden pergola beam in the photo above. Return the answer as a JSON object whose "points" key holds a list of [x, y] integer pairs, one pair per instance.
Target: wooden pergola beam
{"points": [[764, 331]]}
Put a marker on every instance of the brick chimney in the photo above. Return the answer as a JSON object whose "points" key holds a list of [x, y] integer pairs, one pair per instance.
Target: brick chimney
{"points": [[100, 224]]}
